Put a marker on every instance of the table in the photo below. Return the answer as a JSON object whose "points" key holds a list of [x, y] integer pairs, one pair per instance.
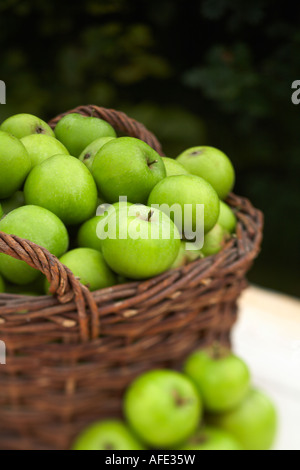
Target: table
{"points": [[267, 336]]}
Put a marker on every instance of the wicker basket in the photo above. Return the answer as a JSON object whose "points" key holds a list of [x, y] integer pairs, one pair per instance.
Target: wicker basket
{"points": [[70, 357]]}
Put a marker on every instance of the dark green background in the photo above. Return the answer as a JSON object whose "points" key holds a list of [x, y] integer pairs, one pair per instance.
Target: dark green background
{"points": [[217, 73]]}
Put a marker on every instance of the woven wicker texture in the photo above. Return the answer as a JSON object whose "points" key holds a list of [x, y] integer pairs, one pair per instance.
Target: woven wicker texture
{"points": [[70, 357]]}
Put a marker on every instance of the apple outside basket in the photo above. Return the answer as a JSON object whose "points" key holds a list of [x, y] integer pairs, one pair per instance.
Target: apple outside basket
{"points": [[70, 357]]}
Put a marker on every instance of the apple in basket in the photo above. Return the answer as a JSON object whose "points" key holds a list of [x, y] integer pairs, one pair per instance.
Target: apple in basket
{"points": [[14, 164], [63, 185], [76, 132], [212, 165], [40, 147], [21, 125], [38, 225], [127, 167]]}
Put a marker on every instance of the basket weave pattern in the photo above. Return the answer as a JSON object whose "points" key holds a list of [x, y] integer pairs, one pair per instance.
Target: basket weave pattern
{"points": [[70, 357]]}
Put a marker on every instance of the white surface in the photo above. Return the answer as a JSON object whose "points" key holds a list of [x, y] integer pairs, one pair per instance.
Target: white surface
{"points": [[267, 336]]}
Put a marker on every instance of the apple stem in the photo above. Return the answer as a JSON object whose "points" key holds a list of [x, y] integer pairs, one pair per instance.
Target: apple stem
{"points": [[108, 446], [218, 351], [152, 163], [150, 214], [200, 439], [179, 400]]}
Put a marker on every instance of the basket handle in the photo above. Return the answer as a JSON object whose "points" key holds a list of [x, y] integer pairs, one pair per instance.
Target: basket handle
{"points": [[63, 284], [119, 121]]}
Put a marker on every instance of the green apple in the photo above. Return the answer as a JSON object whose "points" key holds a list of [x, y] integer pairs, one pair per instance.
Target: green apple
{"points": [[140, 242], [214, 241], [63, 185], [89, 266], [180, 259], [253, 422], [184, 190], [88, 154], [210, 438], [39, 226], [173, 167], [185, 256], [127, 167], [223, 380], [13, 202], [21, 125], [212, 165], [163, 408], [87, 234], [227, 218], [107, 435], [14, 164], [41, 146], [76, 132], [2, 285], [192, 255]]}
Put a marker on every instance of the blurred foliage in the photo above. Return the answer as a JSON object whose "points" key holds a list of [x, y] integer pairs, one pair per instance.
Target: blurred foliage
{"points": [[215, 72], [176, 127]]}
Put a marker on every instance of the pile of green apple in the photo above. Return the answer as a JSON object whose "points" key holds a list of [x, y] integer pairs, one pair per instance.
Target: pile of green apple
{"points": [[51, 183], [211, 406]]}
